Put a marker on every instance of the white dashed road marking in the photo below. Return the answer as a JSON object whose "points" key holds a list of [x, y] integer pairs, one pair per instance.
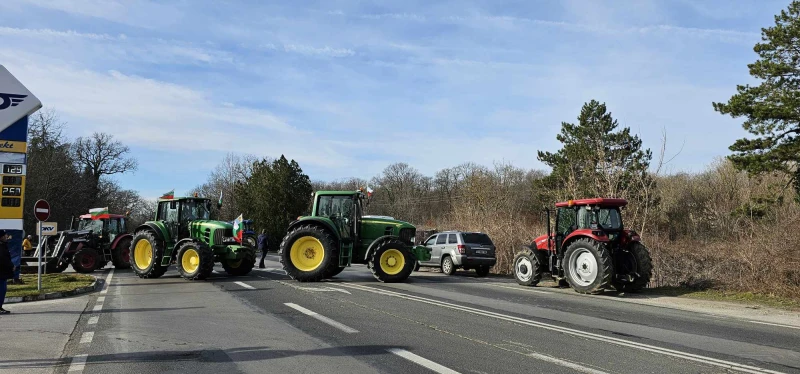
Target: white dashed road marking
{"points": [[107, 282], [78, 363], [97, 308], [322, 318], [93, 320], [422, 361], [245, 285], [87, 337]]}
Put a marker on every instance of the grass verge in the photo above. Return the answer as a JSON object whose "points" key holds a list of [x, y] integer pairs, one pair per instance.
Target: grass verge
{"points": [[50, 283], [748, 298]]}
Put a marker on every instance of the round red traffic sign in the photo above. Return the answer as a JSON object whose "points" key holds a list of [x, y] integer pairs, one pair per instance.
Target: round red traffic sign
{"points": [[41, 210]]}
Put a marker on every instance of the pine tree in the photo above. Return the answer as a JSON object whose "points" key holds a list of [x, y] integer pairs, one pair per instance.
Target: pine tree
{"points": [[275, 194], [772, 108], [595, 160]]}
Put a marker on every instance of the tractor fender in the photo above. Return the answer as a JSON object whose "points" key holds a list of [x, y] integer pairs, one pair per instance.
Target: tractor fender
{"points": [[119, 239], [174, 254], [315, 221], [156, 229], [575, 235], [375, 243]]}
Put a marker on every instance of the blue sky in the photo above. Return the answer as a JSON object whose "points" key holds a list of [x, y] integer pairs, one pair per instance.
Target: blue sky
{"points": [[348, 87]]}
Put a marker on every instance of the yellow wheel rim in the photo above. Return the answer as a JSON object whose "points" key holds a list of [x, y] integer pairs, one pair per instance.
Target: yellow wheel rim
{"points": [[392, 261], [307, 253], [235, 264], [143, 254], [190, 260]]}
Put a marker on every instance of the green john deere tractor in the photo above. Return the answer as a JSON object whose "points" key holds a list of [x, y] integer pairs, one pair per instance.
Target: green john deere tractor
{"points": [[183, 233], [336, 235]]}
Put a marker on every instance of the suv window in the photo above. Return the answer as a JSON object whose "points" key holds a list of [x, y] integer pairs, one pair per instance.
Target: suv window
{"points": [[431, 240], [476, 238], [442, 239], [451, 239]]}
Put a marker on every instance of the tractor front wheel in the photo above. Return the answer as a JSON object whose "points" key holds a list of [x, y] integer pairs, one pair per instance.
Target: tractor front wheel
{"points": [[307, 252], [589, 266], [391, 261], [634, 261], [195, 260], [85, 260], [147, 254], [528, 268], [250, 241], [242, 266], [121, 254]]}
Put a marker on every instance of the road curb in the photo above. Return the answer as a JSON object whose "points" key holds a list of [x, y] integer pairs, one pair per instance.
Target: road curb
{"points": [[95, 286]]}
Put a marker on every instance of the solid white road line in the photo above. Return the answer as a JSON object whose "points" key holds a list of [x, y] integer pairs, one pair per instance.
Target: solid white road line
{"points": [[518, 288], [577, 367], [570, 331], [93, 320], [245, 285], [422, 361], [78, 363], [107, 282], [87, 337], [322, 318], [776, 324]]}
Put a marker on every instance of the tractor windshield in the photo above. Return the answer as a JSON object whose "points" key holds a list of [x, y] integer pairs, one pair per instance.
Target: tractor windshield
{"points": [[602, 218], [95, 225], [196, 210]]}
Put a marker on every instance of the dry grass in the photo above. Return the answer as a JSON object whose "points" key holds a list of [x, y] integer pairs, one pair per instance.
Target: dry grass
{"points": [[50, 283]]}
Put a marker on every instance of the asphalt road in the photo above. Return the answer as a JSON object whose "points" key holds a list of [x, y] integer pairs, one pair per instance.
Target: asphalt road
{"points": [[265, 322]]}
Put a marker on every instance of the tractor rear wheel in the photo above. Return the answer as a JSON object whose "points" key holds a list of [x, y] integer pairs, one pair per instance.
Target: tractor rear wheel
{"points": [[147, 253], [634, 260], [307, 252], [589, 266], [85, 260], [391, 261], [528, 268], [121, 254], [195, 260], [242, 266]]}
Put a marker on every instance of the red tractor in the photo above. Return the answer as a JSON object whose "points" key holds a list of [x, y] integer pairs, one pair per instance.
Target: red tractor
{"points": [[590, 250]]}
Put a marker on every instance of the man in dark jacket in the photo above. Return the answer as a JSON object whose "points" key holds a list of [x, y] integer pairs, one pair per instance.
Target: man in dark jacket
{"points": [[263, 246], [7, 269]]}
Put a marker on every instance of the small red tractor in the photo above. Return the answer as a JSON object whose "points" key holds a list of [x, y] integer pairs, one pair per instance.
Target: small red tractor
{"points": [[590, 250], [89, 247]]}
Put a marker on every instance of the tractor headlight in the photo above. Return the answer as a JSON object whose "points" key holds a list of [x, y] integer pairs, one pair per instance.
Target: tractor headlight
{"points": [[413, 240]]}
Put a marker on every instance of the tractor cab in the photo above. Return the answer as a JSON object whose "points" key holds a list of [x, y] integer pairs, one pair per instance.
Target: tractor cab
{"points": [[343, 209], [177, 214], [107, 229], [592, 217]]}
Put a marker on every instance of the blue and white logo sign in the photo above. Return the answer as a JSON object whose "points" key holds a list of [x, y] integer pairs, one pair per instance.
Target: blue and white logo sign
{"points": [[16, 101]]}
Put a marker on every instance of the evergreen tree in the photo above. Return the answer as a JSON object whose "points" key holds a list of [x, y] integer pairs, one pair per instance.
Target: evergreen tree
{"points": [[275, 194], [596, 160], [772, 108]]}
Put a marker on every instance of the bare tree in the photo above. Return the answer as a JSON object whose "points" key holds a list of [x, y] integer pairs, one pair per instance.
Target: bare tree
{"points": [[100, 155]]}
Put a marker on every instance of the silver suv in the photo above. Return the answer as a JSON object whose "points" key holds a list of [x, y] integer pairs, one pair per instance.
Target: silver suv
{"points": [[451, 250]]}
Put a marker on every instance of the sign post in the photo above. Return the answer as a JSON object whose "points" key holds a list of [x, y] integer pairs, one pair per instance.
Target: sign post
{"points": [[41, 210]]}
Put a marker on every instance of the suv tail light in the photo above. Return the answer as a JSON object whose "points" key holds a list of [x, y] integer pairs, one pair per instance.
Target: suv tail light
{"points": [[462, 249]]}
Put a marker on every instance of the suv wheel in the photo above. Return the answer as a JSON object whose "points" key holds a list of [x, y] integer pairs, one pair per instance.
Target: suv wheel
{"points": [[448, 268]]}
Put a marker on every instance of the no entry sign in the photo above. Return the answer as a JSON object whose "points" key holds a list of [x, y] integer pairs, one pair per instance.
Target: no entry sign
{"points": [[41, 210]]}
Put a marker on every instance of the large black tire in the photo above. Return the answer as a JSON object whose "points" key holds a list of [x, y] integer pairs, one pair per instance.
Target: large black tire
{"points": [[304, 244], [121, 254], [250, 241], [85, 260], [52, 267], [448, 267], [482, 270], [242, 266], [333, 270], [634, 259], [588, 266], [153, 269], [529, 267], [195, 260], [391, 261]]}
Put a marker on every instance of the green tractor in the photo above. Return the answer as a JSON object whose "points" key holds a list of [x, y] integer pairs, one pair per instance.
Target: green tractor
{"points": [[183, 233], [337, 234]]}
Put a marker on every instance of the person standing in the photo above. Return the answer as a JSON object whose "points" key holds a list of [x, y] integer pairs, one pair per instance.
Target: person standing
{"points": [[263, 246], [7, 269], [27, 246]]}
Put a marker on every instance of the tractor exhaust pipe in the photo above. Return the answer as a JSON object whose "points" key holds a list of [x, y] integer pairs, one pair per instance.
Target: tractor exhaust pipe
{"points": [[547, 211]]}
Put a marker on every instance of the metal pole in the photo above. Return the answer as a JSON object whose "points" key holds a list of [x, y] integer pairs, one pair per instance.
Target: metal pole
{"points": [[39, 276]]}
